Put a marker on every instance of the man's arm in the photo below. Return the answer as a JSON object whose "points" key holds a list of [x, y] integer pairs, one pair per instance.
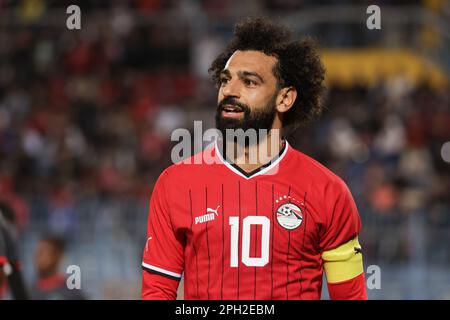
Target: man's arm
{"points": [[158, 287], [341, 251], [344, 271], [163, 258]]}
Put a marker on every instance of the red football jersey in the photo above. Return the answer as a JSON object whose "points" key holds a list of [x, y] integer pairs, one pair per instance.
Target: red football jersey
{"points": [[257, 235]]}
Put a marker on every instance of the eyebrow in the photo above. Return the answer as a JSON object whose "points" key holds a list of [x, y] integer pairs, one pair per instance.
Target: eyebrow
{"points": [[225, 73], [250, 74], [243, 74]]}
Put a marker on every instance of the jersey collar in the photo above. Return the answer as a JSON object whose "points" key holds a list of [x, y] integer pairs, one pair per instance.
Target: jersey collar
{"points": [[259, 171]]}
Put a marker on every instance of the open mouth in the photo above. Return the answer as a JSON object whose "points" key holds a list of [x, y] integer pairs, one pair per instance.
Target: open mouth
{"points": [[231, 109]]}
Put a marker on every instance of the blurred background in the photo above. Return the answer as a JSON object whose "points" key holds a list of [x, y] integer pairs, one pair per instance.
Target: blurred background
{"points": [[86, 117]]}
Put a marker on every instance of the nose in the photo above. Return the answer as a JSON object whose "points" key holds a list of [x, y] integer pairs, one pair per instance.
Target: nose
{"points": [[231, 89]]}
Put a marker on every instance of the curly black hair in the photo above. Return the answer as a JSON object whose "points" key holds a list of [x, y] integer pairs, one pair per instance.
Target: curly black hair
{"points": [[298, 64]]}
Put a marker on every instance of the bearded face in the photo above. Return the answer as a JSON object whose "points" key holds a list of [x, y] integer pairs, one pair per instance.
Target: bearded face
{"points": [[232, 114]]}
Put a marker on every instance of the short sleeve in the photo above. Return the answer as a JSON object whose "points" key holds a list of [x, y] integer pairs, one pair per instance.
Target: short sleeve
{"points": [[163, 251], [342, 219]]}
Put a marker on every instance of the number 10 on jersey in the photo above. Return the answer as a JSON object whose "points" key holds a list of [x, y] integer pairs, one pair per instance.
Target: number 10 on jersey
{"points": [[247, 222]]}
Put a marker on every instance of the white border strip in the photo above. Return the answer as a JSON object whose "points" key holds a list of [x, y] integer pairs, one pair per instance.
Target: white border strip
{"points": [[149, 266], [229, 166]]}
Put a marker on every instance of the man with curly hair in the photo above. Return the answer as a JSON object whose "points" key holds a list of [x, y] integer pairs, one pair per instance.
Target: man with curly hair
{"points": [[244, 228]]}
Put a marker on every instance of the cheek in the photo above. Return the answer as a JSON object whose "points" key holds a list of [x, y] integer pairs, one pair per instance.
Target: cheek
{"points": [[219, 96], [257, 98]]}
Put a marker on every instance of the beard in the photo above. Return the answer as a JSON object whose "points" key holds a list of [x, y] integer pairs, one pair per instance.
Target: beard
{"points": [[257, 119]]}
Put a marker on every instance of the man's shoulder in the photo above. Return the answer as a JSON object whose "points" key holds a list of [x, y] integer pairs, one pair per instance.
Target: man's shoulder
{"points": [[316, 171], [193, 166]]}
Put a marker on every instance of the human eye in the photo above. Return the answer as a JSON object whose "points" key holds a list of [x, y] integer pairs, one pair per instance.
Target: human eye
{"points": [[223, 80], [250, 82]]}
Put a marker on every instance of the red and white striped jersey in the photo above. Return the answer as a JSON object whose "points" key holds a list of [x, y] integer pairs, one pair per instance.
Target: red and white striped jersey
{"points": [[257, 235]]}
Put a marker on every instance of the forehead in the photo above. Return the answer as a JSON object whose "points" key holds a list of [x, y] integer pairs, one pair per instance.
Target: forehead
{"points": [[44, 244], [252, 61]]}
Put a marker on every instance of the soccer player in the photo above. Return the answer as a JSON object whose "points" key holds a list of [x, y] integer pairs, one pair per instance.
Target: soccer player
{"points": [[10, 264], [251, 229], [3, 260]]}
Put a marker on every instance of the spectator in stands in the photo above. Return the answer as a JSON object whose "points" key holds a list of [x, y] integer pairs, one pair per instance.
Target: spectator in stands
{"points": [[51, 284]]}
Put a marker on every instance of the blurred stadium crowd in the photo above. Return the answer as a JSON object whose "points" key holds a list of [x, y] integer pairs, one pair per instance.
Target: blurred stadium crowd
{"points": [[86, 118]]}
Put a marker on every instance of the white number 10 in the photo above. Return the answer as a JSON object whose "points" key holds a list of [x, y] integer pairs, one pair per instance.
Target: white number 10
{"points": [[246, 259]]}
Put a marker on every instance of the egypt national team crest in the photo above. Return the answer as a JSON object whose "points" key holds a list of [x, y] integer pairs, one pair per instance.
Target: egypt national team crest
{"points": [[289, 216]]}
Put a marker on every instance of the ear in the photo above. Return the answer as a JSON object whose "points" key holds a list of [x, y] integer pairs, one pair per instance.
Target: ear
{"points": [[286, 98]]}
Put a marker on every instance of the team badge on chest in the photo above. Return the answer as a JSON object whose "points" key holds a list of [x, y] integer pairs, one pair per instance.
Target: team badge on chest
{"points": [[289, 216]]}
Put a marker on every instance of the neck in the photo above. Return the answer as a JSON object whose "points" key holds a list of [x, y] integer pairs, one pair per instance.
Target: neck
{"points": [[254, 156]]}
